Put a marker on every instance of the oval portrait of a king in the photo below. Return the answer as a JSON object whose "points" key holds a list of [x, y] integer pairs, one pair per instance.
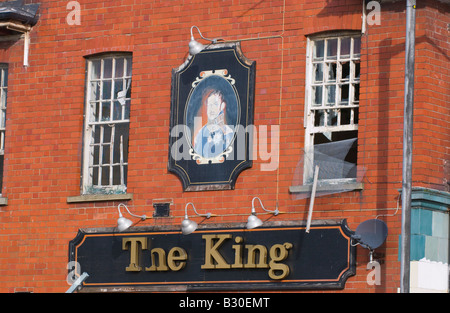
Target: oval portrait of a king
{"points": [[212, 115]]}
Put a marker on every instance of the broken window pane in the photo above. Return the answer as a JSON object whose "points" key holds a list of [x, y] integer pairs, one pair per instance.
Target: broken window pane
{"points": [[345, 71], [345, 116], [319, 119], [95, 91], [331, 72], [121, 143], [355, 115], [128, 88], [118, 88], [344, 94], [331, 95], [336, 155], [332, 118], [317, 95], [318, 70]]}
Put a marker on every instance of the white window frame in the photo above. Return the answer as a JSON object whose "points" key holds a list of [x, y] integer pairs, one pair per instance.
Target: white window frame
{"points": [[107, 107], [3, 99], [311, 108]]}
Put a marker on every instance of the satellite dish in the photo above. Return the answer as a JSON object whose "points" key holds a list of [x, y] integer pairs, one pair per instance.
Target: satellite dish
{"points": [[371, 234]]}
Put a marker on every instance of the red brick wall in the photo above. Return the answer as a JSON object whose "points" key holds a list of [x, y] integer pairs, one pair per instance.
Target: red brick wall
{"points": [[46, 106]]}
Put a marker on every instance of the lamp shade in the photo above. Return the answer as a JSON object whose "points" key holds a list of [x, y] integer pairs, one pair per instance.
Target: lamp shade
{"points": [[195, 47], [253, 222], [188, 226], [123, 223]]}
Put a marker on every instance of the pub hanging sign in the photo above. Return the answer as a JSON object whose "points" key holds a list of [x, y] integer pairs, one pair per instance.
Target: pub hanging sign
{"points": [[212, 106], [266, 258]]}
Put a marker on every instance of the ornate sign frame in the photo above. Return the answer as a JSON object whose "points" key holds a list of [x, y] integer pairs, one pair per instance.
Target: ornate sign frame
{"points": [[212, 105], [278, 256]]}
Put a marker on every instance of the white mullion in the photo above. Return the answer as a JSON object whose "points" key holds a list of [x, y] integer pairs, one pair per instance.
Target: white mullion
{"points": [[351, 96], [100, 104], [308, 81], [122, 171], [111, 101], [352, 77], [338, 82], [324, 62], [111, 154], [100, 156], [124, 86]]}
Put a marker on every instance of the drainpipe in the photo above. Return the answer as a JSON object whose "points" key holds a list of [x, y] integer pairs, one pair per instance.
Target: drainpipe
{"points": [[407, 146]]}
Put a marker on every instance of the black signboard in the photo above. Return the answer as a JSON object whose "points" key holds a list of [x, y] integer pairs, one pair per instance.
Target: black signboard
{"points": [[212, 106], [266, 258]]}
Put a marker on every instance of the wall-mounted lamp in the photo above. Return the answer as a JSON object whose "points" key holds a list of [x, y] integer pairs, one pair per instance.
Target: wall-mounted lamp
{"points": [[253, 221], [196, 47], [124, 223], [188, 226]]}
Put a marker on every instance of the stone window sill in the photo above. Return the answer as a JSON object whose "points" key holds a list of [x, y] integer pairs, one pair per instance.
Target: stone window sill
{"points": [[341, 186], [100, 197]]}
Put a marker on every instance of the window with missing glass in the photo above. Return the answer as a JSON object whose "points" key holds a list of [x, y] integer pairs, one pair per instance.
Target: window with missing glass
{"points": [[107, 120], [332, 106], [3, 96]]}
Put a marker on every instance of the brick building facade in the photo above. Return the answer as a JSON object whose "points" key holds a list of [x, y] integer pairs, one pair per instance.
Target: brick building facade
{"points": [[303, 73]]}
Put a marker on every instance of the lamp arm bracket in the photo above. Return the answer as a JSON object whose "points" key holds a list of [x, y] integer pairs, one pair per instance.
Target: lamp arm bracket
{"points": [[207, 215], [274, 212], [143, 217]]}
